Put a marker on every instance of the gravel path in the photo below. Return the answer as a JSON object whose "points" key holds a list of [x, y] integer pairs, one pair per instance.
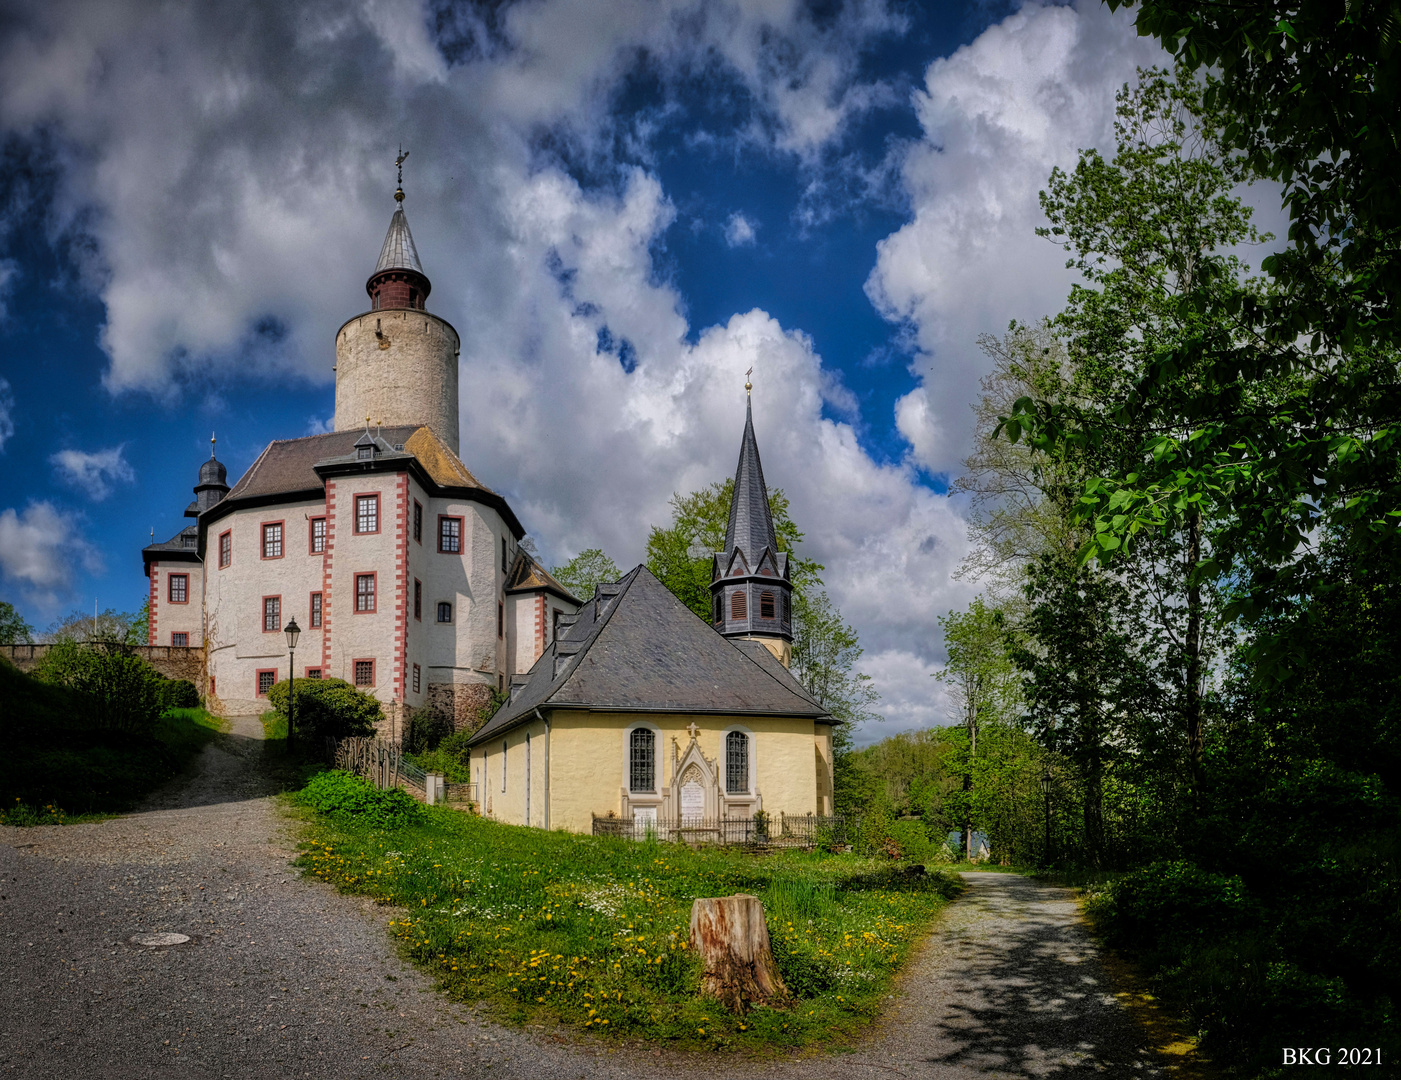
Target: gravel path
{"points": [[283, 977]]}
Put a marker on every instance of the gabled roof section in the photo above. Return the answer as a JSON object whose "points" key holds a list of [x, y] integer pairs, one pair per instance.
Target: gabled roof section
{"points": [[287, 466], [527, 575], [636, 648], [751, 524], [439, 461], [398, 252]]}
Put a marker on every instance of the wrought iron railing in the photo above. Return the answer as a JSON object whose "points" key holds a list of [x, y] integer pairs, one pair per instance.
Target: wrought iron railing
{"points": [[761, 830]]}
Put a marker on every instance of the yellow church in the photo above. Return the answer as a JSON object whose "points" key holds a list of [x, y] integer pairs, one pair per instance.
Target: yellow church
{"points": [[643, 716]]}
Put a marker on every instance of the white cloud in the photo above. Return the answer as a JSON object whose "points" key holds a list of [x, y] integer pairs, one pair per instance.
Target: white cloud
{"points": [[42, 550], [7, 412], [997, 115], [94, 473], [739, 232]]}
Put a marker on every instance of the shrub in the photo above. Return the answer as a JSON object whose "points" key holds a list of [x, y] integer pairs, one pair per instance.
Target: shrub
{"points": [[454, 770], [456, 746], [180, 694], [425, 730], [329, 708], [119, 692], [354, 800]]}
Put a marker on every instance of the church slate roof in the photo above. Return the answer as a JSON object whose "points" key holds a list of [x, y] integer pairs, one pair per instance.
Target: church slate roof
{"points": [[636, 648], [750, 526], [398, 252]]}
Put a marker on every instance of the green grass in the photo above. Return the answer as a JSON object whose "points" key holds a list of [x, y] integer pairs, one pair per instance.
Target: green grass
{"points": [[593, 932], [274, 726], [56, 770]]}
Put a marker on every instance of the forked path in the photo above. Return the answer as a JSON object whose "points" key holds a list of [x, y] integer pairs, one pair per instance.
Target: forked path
{"points": [[283, 977]]}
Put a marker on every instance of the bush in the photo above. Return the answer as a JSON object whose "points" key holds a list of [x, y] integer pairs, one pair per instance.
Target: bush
{"points": [[180, 694], [1172, 903], [455, 745], [453, 769], [118, 691], [353, 800], [329, 708], [425, 730]]}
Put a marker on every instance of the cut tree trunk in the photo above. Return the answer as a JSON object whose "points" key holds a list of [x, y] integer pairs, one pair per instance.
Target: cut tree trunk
{"points": [[731, 937]]}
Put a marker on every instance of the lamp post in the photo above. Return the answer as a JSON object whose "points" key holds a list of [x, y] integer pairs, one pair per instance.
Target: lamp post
{"points": [[1046, 791], [293, 632]]}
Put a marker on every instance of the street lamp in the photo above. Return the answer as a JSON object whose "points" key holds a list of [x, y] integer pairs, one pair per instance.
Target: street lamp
{"points": [[1046, 780], [293, 632]]}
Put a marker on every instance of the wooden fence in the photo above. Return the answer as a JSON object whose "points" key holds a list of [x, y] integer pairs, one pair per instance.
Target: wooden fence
{"points": [[384, 765]]}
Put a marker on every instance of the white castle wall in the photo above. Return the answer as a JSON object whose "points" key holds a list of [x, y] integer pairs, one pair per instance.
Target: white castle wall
{"points": [[167, 617], [398, 366]]}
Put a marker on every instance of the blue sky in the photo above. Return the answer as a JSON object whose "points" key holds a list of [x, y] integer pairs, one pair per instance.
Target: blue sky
{"points": [[622, 206]]}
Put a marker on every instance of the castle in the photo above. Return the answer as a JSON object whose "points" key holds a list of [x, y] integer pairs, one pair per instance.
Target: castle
{"points": [[407, 578]]}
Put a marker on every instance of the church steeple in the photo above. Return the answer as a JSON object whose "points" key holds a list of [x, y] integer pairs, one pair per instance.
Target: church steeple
{"points": [[751, 593]]}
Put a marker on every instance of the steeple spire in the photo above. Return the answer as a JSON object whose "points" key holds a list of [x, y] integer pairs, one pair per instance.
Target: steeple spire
{"points": [[752, 595], [398, 280]]}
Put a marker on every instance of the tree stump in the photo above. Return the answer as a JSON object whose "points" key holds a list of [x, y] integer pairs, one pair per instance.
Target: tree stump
{"points": [[731, 937]]}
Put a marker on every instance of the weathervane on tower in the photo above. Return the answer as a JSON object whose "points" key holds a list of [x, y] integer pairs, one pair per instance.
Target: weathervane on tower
{"points": [[748, 386], [399, 163]]}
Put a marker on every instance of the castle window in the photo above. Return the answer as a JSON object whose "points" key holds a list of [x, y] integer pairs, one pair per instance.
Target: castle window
{"points": [[315, 609], [180, 641], [365, 453], [364, 673], [450, 535], [642, 760], [266, 678], [416, 678], [272, 540], [367, 513], [225, 549], [504, 565], [364, 592], [313, 673], [736, 763], [418, 521], [272, 614], [738, 605], [445, 612], [766, 605], [418, 599], [179, 588], [500, 619], [318, 535]]}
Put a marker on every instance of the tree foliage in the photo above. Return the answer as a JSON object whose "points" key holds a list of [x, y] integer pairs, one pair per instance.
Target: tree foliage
{"points": [[582, 574], [13, 629]]}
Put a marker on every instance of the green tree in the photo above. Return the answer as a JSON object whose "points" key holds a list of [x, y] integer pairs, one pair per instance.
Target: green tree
{"points": [[983, 686], [139, 632], [13, 629], [680, 554], [581, 574]]}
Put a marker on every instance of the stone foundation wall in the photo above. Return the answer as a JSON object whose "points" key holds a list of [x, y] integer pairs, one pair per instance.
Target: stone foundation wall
{"points": [[460, 702], [172, 661]]}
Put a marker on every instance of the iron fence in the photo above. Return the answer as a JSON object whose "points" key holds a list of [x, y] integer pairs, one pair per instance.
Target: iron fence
{"points": [[761, 830]]}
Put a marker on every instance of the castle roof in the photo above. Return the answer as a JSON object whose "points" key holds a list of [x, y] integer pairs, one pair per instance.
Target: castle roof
{"points": [[527, 575], [398, 252], [636, 648]]}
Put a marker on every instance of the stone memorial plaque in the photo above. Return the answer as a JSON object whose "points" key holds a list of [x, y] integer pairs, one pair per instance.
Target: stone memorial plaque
{"points": [[692, 800]]}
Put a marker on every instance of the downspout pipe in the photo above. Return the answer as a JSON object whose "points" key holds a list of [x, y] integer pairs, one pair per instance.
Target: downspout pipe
{"points": [[541, 717]]}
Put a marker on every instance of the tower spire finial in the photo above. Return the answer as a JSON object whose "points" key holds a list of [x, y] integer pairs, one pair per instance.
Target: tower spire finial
{"points": [[211, 444], [748, 386], [399, 163]]}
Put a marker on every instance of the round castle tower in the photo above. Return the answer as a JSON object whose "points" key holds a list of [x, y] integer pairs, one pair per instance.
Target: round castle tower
{"points": [[396, 363]]}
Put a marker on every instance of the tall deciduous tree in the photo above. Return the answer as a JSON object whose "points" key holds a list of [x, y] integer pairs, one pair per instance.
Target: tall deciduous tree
{"points": [[581, 574], [13, 629]]}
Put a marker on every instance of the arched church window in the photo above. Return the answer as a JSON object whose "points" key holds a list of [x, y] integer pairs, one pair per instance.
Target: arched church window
{"points": [[736, 763], [642, 758], [766, 605], [737, 605]]}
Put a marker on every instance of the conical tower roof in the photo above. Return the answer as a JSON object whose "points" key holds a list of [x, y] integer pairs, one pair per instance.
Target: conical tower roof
{"points": [[398, 252], [751, 524]]}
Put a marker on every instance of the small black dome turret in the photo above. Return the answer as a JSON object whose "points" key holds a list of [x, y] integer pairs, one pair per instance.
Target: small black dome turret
{"points": [[213, 484]]}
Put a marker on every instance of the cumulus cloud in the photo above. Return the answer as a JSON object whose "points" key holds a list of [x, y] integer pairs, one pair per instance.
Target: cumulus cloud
{"points": [[739, 231], [7, 412], [93, 473], [41, 551], [1026, 95]]}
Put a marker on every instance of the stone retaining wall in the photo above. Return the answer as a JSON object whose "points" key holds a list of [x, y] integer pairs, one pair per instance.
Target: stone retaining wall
{"points": [[172, 661]]}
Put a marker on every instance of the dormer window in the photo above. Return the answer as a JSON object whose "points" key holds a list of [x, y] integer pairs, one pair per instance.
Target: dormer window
{"points": [[365, 453]]}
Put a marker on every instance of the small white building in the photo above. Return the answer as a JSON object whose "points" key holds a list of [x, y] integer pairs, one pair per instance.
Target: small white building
{"points": [[403, 571]]}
